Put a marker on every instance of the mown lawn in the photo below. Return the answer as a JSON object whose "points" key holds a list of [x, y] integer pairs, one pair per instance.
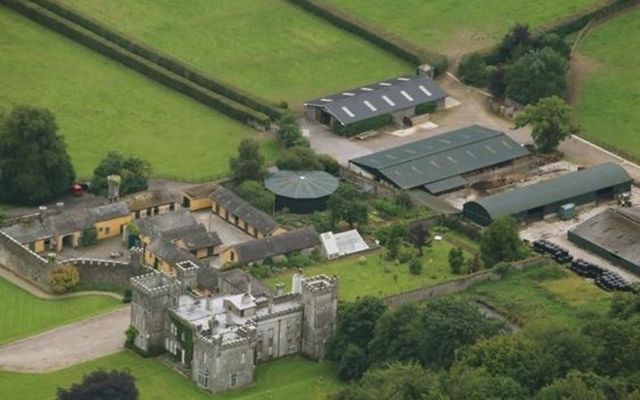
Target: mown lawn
{"points": [[376, 276], [607, 107], [544, 295], [267, 47], [460, 26], [102, 106], [23, 315], [291, 378]]}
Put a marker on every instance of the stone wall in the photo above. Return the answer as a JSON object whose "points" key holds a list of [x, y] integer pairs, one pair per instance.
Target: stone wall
{"points": [[23, 262], [94, 271], [455, 286]]}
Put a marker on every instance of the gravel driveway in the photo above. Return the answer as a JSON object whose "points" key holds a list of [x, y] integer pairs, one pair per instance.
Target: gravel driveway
{"points": [[68, 345]]}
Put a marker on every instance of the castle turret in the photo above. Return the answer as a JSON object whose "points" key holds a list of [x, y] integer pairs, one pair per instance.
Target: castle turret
{"points": [[152, 294], [320, 300]]}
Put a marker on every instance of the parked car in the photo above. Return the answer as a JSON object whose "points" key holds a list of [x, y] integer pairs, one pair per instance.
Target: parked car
{"points": [[76, 190]]}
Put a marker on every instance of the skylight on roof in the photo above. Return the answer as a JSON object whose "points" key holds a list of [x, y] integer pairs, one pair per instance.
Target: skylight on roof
{"points": [[384, 84], [348, 94], [366, 89], [425, 90], [371, 106], [406, 95], [472, 155], [403, 79], [348, 112], [490, 149], [388, 100], [506, 144], [453, 160], [326, 100]]}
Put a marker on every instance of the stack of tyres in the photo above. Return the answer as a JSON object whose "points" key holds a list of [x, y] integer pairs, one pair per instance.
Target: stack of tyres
{"points": [[586, 269], [611, 281], [559, 254]]}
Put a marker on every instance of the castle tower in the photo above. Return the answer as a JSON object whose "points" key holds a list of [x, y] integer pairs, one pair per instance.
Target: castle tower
{"points": [[152, 294], [320, 301]]}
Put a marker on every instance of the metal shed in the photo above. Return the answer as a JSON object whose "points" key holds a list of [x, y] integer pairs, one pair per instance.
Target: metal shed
{"points": [[301, 192], [534, 202]]}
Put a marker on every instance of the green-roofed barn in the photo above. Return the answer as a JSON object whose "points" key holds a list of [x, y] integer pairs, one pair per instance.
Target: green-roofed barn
{"points": [[444, 162], [301, 192], [536, 201]]}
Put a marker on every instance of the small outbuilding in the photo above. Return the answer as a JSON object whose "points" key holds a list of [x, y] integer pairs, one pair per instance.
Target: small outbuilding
{"points": [[301, 192], [534, 202]]}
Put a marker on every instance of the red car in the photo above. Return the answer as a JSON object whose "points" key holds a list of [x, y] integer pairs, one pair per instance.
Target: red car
{"points": [[76, 190]]}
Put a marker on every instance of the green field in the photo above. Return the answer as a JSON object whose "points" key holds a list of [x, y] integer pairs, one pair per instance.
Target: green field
{"points": [[102, 106], [291, 378], [375, 277], [268, 47], [607, 106], [543, 295], [23, 314], [460, 26]]}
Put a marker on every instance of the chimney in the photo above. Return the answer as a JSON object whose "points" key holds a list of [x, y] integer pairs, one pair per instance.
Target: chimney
{"points": [[42, 210], [209, 304], [229, 318], [270, 305], [279, 289], [59, 207], [248, 283]]}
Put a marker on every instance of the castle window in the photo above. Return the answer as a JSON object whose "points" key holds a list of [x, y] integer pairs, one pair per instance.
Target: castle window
{"points": [[243, 358], [234, 380], [203, 378], [106, 230]]}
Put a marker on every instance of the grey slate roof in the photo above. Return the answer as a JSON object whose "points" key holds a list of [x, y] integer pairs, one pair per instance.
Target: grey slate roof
{"points": [[239, 278], [65, 222], [243, 210], [380, 98], [615, 230], [565, 187], [272, 246], [169, 251], [149, 199], [442, 157], [157, 224], [302, 184], [194, 236]]}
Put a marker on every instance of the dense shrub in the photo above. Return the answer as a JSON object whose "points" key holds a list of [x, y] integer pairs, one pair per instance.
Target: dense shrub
{"points": [[426, 108], [89, 237], [256, 194], [64, 278], [415, 266], [473, 70], [362, 126], [299, 158], [134, 173]]}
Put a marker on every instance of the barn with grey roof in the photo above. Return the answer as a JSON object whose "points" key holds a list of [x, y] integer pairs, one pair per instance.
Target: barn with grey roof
{"points": [[397, 97], [534, 202], [444, 162]]}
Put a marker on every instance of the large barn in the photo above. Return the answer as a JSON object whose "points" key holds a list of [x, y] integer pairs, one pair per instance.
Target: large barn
{"points": [[396, 97], [614, 234], [443, 163], [536, 201]]}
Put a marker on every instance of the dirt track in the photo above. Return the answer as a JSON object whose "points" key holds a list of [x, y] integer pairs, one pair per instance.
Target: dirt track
{"points": [[68, 345]]}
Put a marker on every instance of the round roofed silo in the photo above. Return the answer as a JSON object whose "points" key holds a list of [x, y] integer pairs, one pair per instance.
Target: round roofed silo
{"points": [[301, 192]]}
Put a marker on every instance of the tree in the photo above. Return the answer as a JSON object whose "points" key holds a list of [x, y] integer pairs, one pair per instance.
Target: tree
{"points": [[536, 75], [415, 266], [555, 42], [397, 335], [625, 305], [395, 382], [616, 345], [473, 70], [134, 174], [89, 237], [64, 278], [34, 164], [353, 363], [446, 325], [514, 44], [477, 384], [256, 194], [550, 119], [500, 242], [289, 133], [418, 235], [391, 237], [568, 348], [456, 260], [346, 204], [329, 164], [515, 356], [102, 385], [299, 159], [580, 386], [497, 84], [249, 164], [474, 265]]}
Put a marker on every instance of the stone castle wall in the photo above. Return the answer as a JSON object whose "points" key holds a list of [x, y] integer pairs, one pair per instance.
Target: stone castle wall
{"points": [[23, 262]]}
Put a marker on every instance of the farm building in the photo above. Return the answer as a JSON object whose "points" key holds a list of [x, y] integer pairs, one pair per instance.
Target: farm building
{"points": [[614, 234], [198, 197], [341, 244], [55, 231], [151, 202], [395, 98], [536, 201], [228, 206], [256, 251], [301, 192], [445, 162]]}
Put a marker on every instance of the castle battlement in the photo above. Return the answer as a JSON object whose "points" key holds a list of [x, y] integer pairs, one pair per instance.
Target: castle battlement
{"points": [[319, 284], [155, 283], [187, 266]]}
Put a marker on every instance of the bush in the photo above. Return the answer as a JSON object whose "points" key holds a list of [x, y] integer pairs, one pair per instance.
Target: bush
{"points": [[406, 254], [415, 266], [426, 108], [299, 158], [473, 70], [64, 278], [361, 126], [89, 237], [386, 208], [362, 260], [131, 334], [329, 164], [456, 260], [502, 268], [256, 194], [299, 261]]}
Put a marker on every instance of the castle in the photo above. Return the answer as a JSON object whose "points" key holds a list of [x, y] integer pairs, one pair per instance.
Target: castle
{"points": [[220, 339]]}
